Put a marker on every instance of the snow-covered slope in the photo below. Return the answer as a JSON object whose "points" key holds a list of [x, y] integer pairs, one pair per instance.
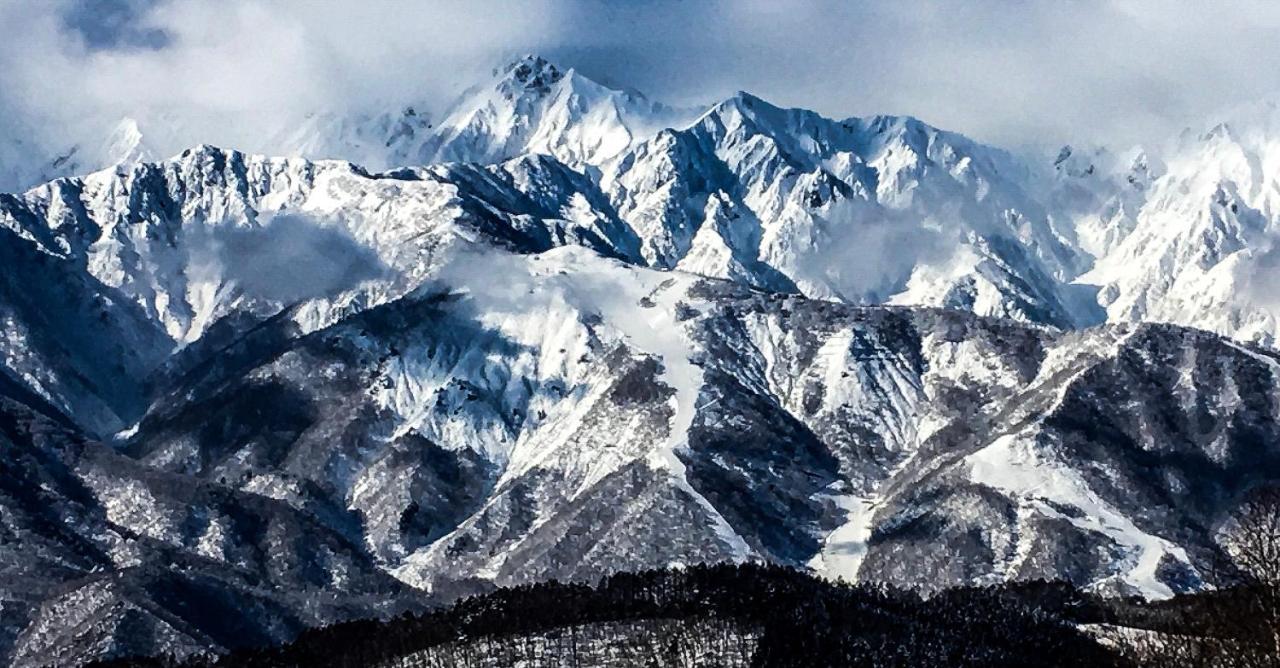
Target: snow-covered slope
{"points": [[879, 210], [874, 210], [1200, 249], [1100, 191], [528, 106], [161, 252], [102, 557], [488, 431], [532, 106], [528, 411], [379, 141], [73, 341], [589, 333]]}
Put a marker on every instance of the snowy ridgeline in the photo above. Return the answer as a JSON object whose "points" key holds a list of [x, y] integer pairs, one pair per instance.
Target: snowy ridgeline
{"points": [[882, 209]]}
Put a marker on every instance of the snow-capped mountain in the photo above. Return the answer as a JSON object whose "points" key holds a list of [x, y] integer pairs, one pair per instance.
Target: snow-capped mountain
{"points": [[788, 200], [1101, 192], [528, 106], [563, 414], [882, 443], [565, 330], [381, 141], [163, 252], [532, 106], [1200, 248]]}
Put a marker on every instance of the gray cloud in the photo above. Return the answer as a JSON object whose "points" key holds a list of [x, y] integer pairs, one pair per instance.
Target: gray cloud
{"points": [[114, 24], [1042, 73], [289, 258], [1261, 276], [868, 252]]}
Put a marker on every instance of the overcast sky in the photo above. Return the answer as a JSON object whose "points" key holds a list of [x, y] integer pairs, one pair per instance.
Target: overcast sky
{"points": [[1013, 73]]}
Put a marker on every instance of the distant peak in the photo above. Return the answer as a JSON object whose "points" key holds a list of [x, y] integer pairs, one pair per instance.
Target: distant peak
{"points": [[530, 71], [747, 99], [745, 103], [128, 124], [1221, 131], [126, 134]]}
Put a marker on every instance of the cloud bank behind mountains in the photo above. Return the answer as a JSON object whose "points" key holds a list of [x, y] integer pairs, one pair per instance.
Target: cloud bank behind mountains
{"points": [[1019, 74]]}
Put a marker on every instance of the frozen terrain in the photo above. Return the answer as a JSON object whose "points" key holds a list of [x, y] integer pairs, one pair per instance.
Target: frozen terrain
{"points": [[559, 330]]}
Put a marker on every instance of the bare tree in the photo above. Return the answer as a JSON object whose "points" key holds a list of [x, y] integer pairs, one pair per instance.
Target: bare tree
{"points": [[1239, 624], [1252, 540]]}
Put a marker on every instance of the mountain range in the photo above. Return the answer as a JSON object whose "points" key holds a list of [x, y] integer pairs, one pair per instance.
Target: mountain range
{"points": [[565, 331]]}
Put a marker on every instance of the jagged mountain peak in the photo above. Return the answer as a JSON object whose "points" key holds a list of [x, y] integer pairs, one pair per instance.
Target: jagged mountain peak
{"points": [[745, 100], [1221, 132], [785, 198], [529, 72], [808, 132], [1197, 230], [127, 144], [533, 106], [1250, 126], [760, 113], [1101, 162], [535, 75]]}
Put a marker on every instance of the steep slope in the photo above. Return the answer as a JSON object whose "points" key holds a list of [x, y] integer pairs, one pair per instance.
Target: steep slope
{"points": [[1201, 247], [112, 271], [522, 362], [1100, 191], [869, 211], [879, 210], [532, 106], [124, 146], [102, 557], [380, 141], [781, 199], [165, 233], [490, 434], [528, 106], [78, 344]]}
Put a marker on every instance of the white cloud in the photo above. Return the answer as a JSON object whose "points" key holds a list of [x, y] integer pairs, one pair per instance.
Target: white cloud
{"points": [[227, 61], [1118, 71]]}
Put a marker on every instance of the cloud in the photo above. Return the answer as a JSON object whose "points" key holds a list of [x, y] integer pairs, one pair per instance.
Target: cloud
{"points": [[206, 67], [114, 24], [868, 253], [1259, 274], [287, 259], [1012, 73], [1116, 71]]}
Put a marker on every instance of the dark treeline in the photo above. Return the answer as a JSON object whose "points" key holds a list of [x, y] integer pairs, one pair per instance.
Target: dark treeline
{"points": [[719, 615]]}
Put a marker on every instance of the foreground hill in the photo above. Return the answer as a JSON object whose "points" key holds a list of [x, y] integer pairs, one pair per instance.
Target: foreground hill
{"points": [[715, 616]]}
